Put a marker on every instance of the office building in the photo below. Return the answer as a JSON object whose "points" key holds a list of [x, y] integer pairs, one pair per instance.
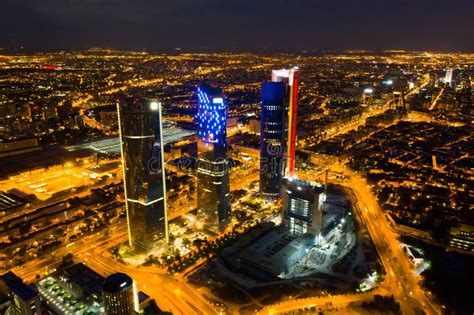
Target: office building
{"points": [[291, 79], [462, 236], [449, 76], [399, 96], [119, 295], [278, 119], [367, 97], [273, 138], [141, 141], [24, 299], [213, 165], [302, 206]]}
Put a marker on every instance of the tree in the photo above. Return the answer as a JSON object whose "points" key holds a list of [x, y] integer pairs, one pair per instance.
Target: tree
{"points": [[186, 242]]}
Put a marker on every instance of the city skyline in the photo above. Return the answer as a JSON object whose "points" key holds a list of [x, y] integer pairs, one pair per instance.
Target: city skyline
{"points": [[220, 183]]}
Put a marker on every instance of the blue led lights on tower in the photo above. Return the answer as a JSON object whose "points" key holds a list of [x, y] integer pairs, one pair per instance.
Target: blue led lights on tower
{"points": [[213, 165]]}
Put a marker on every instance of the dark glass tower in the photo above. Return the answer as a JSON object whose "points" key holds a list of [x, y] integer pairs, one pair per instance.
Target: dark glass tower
{"points": [[144, 176], [119, 295], [273, 138], [213, 165], [24, 299]]}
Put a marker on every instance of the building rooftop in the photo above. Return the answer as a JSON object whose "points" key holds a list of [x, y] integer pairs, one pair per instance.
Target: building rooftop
{"points": [[302, 188], [18, 287], [9, 202], [116, 283], [89, 280], [275, 251]]}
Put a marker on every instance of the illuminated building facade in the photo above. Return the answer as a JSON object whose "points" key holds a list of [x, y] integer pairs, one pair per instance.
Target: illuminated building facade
{"points": [[399, 96], [278, 119], [367, 97], [119, 295], [213, 165], [273, 138], [302, 206], [144, 174], [291, 78], [24, 299], [449, 76]]}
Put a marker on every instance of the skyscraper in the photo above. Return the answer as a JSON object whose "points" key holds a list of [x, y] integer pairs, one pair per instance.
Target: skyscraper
{"points": [[291, 78], [449, 76], [273, 138], [302, 206], [213, 165], [119, 295], [278, 130], [24, 299], [144, 174]]}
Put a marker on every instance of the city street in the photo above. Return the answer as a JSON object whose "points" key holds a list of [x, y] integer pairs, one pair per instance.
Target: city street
{"points": [[400, 279]]}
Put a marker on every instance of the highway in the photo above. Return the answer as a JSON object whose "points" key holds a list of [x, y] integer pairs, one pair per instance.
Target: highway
{"points": [[338, 301], [175, 295], [48, 262], [170, 294], [400, 279], [436, 99]]}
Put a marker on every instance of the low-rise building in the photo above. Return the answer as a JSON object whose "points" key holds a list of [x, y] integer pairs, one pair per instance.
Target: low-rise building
{"points": [[462, 237]]}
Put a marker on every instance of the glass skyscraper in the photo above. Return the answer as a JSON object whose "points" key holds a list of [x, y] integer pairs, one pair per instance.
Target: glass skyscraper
{"points": [[273, 138], [291, 79], [213, 165], [278, 117], [24, 299], [144, 174]]}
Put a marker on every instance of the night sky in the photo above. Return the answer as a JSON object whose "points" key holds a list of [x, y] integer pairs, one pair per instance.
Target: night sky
{"points": [[238, 25]]}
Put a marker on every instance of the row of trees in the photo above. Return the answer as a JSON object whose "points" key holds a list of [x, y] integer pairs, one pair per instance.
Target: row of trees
{"points": [[204, 249]]}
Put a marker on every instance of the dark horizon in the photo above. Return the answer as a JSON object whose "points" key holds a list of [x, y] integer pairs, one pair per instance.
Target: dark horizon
{"points": [[261, 52], [237, 26]]}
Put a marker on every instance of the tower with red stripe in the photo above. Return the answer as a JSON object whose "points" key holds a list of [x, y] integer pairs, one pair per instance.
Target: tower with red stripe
{"points": [[291, 78]]}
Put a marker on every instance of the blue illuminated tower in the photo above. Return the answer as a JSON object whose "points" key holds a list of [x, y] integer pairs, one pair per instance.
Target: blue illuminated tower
{"points": [[213, 165]]}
